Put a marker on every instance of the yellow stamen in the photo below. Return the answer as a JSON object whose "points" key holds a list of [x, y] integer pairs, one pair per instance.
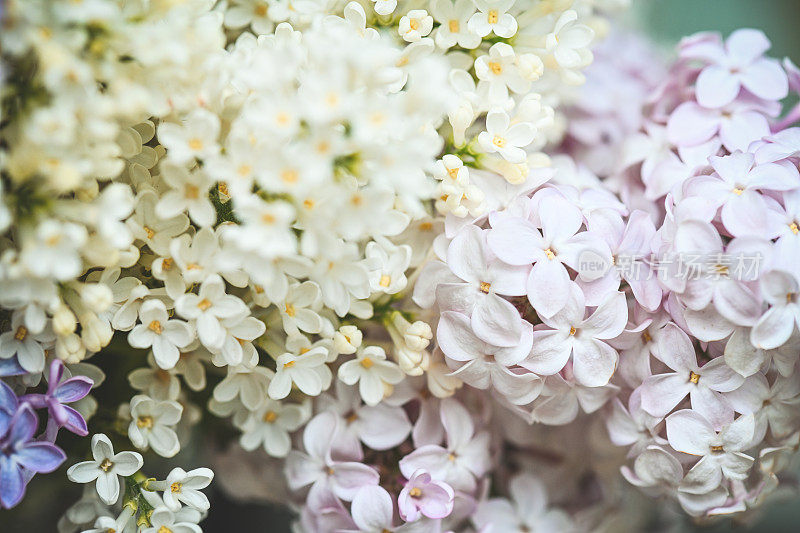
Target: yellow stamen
{"points": [[425, 226], [385, 281], [794, 228], [289, 308], [572, 330], [261, 11], [166, 264], [453, 26], [415, 492], [270, 417], [492, 16], [717, 449], [694, 378], [367, 363], [496, 68], [737, 191], [106, 465], [21, 333], [192, 192], [288, 364], [413, 24], [145, 422], [176, 487], [164, 529], [498, 141], [149, 232], [155, 326], [550, 254], [195, 144], [268, 218], [290, 176], [485, 287], [204, 304]]}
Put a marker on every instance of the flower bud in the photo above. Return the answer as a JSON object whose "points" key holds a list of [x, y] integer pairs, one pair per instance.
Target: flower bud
{"points": [[418, 335], [64, 321], [96, 296], [69, 348], [347, 339]]}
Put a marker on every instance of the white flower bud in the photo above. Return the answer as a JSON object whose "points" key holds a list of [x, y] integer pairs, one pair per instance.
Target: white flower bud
{"points": [[347, 339], [460, 119], [69, 348], [96, 296], [64, 321], [96, 333], [530, 66], [418, 335]]}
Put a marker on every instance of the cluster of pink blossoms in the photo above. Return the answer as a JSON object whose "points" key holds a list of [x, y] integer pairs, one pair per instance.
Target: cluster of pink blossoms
{"points": [[661, 291]]}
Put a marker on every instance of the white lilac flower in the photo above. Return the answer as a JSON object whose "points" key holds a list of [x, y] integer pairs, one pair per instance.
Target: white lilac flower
{"points": [[158, 332], [105, 467], [307, 371], [184, 488], [208, 308], [152, 425], [373, 373], [504, 138], [269, 426]]}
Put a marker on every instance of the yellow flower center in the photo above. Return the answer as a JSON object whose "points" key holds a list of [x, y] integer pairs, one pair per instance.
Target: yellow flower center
{"points": [[270, 417], [415, 492], [21, 333], [737, 191], [550, 254], [413, 24], [106, 465], [176, 487], [145, 422], [192, 192], [385, 281], [261, 11], [149, 232], [717, 449], [694, 378], [496, 68], [572, 330], [288, 364], [289, 308], [204, 304], [453, 26], [166, 264], [164, 529], [195, 144], [155, 326], [492, 16], [794, 228], [425, 226], [367, 363], [499, 141], [485, 287]]}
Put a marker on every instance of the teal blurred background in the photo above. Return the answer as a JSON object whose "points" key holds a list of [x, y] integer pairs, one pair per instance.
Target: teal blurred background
{"points": [[669, 20]]}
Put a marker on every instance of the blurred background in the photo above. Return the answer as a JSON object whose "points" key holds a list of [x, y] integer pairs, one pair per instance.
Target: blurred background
{"points": [[666, 21]]}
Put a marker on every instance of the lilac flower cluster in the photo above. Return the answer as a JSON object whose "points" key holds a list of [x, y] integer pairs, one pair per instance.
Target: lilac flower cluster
{"points": [[705, 358], [23, 453]]}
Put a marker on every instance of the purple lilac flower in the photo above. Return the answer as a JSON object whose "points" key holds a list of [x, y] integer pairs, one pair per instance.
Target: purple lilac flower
{"points": [[19, 453], [61, 392]]}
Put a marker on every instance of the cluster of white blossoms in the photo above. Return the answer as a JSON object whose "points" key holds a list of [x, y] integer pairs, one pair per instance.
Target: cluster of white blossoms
{"points": [[343, 253]]}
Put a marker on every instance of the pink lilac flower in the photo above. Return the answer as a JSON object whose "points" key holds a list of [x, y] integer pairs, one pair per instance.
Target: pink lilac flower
{"points": [[573, 334], [527, 510], [781, 290], [720, 451], [465, 457], [317, 466], [482, 365], [704, 385], [734, 187], [739, 63], [559, 244], [473, 286], [424, 497]]}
